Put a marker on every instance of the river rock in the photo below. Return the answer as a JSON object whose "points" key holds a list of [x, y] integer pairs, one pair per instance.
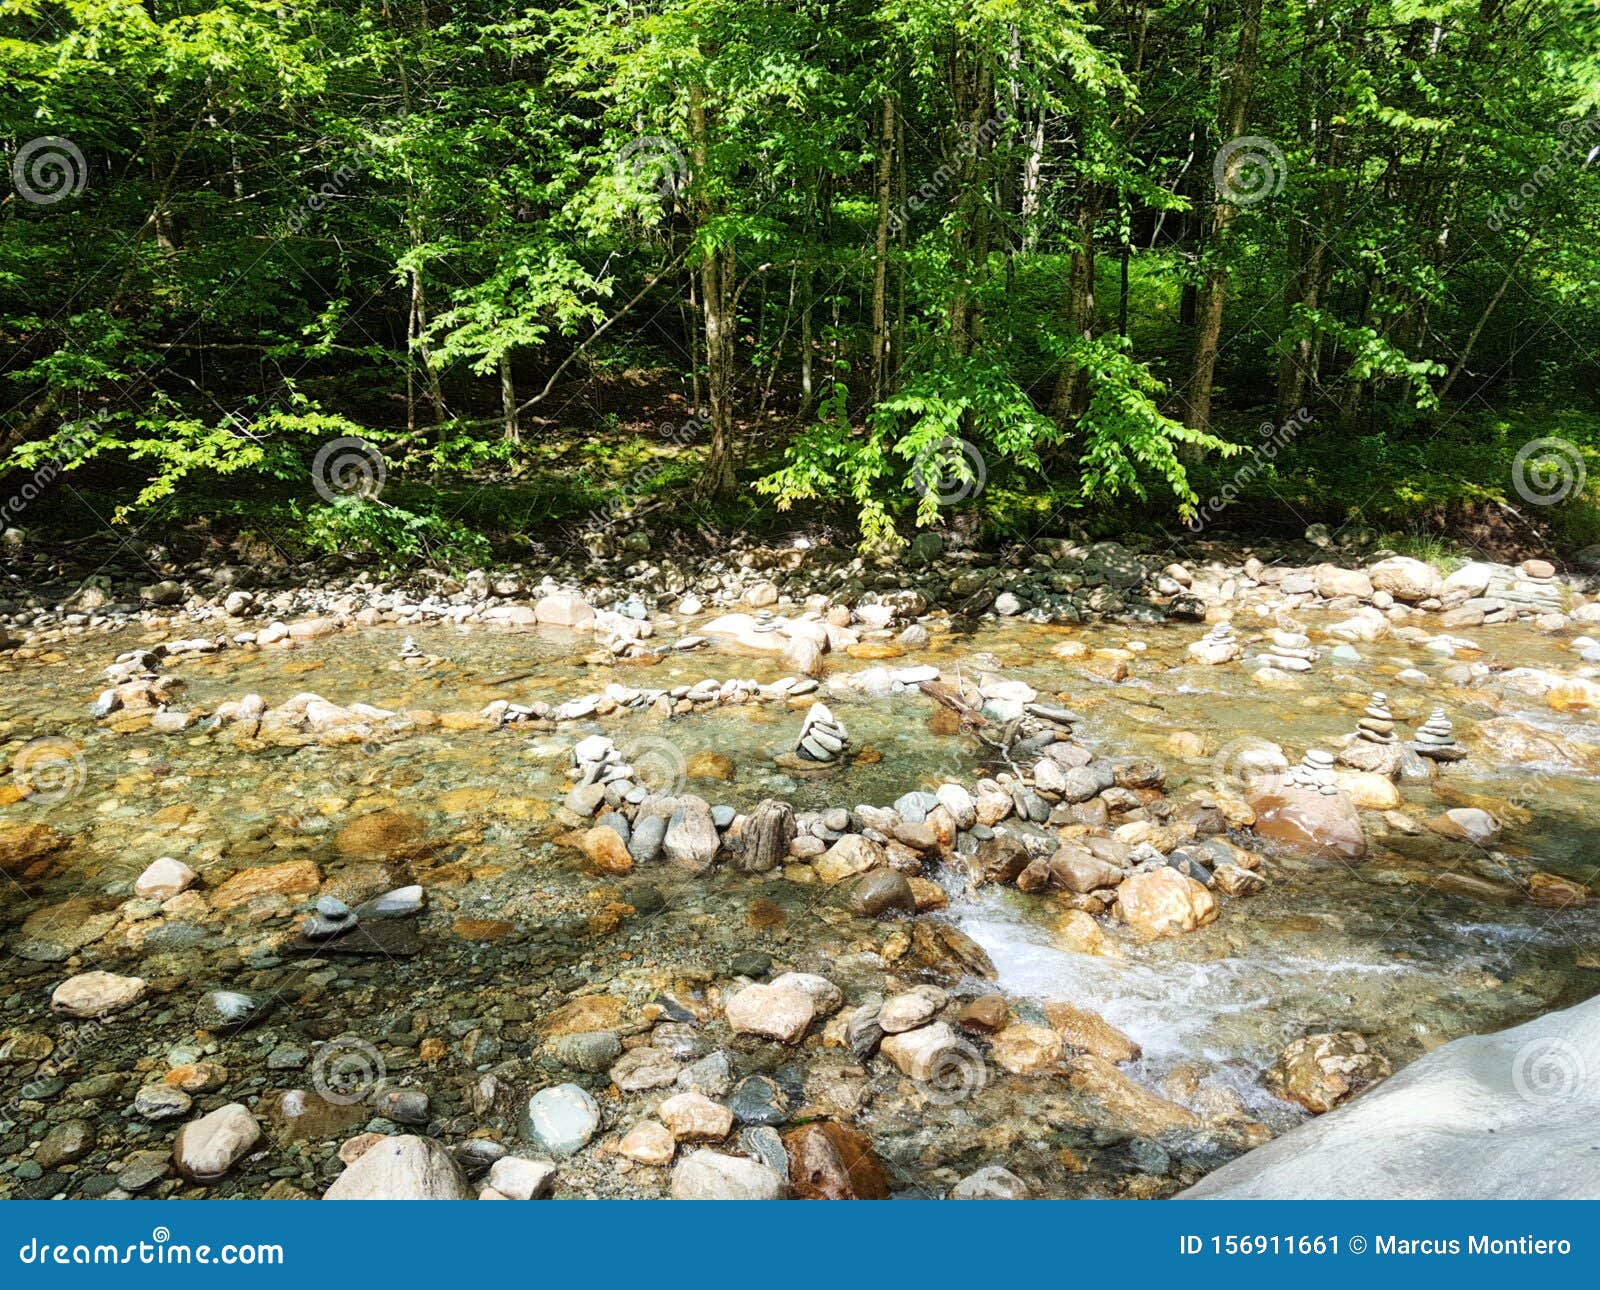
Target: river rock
{"points": [[1159, 902], [648, 1143], [1089, 1032], [1026, 1050], [1406, 579], [640, 1069], [65, 1144], [711, 1175], [831, 1161], [826, 998], [1320, 1071], [96, 994], [518, 1178], [607, 848], [163, 879], [1307, 821], [1467, 824], [992, 1182], [912, 1009], [881, 892], [562, 1119], [690, 841], [402, 1168], [849, 856], [695, 1117], [161, 1102], [207, 1148], [1129, 1107], [564, 610], [1509, 1116], [929, 1051], [767, 834], [771, 1012]]}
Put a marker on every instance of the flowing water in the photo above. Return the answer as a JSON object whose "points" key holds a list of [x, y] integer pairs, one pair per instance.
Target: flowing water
{"points": [[1425, 941]]}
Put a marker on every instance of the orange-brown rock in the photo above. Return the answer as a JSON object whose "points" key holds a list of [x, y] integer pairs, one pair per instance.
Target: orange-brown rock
{"points": [[1129, 1106], [1160, 902], [831, 1161], [1089, 1032], [1307, 821], [381, 835], [607, 849], [29, 851], [1320, 1071], [291, 878], [985, 1015], [1557, 892]]}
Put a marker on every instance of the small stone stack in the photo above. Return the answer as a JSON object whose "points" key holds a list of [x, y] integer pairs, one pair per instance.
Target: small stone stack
{"points": [[331, 919], [1436, 739], [1219, 645], [1315, 772], [1375, 747], [1290, 652], [822, 739], [600, 776]]}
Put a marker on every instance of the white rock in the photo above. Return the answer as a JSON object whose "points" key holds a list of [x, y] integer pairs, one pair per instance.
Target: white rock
{"points": [[164, 879], [207, 1148], [710, 1175], [1511, 1116], [96, 994], [402, 1168], [518, 1178]]}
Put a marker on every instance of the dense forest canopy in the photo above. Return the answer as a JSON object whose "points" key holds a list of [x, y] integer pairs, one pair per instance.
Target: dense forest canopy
{"points": [[879, 255]]}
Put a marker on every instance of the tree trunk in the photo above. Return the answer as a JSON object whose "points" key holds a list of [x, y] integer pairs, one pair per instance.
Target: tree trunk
{"points": [[1235, 102], [508, 401], [716, 298], [880, 274], [1070, 395]]}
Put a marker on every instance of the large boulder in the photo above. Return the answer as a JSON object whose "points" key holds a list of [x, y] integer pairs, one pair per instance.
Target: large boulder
{"points": [[564, 610], [1406, 579], [1333, 582], [1306, 820], [1160, 902], [1511, 1116]]}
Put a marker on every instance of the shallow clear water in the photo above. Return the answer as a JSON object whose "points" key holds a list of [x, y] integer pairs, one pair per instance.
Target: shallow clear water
{"points": [[1381, 948]]}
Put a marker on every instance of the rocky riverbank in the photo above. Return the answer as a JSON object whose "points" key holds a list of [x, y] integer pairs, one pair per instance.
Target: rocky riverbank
{"points": [[630, 892]]}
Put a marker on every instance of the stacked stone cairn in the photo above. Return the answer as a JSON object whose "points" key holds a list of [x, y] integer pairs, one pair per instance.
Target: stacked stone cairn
{"points": [[1374, 747], [1314, 772], [1436, 740], [330, 920], [822, 738], [1219, 645], [1290, 652]]}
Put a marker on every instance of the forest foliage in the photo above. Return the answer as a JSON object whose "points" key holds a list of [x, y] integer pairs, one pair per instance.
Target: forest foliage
{"points": [[861, 252]]}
